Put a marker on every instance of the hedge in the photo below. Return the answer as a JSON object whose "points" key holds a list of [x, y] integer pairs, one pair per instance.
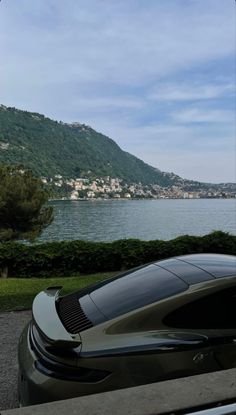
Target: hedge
{"points": [[73, 257]]}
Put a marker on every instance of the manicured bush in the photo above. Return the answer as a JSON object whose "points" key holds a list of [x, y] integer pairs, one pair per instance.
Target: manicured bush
{"points": [[65, 258]]}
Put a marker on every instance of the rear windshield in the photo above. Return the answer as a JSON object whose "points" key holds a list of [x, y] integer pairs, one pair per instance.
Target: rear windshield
{"points": [[135, 290]]}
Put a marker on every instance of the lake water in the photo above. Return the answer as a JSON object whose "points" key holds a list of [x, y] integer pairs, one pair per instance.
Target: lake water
{"points": [[108, 220]]}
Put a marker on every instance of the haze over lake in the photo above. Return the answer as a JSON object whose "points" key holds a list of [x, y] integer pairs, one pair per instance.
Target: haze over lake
{"points": [[108, 220]]}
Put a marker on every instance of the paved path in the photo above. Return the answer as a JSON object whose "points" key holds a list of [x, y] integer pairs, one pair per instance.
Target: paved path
{"points": [[11, 326]]}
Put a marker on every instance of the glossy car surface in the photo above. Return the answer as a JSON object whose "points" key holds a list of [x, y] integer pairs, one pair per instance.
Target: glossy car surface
{"points": [[229, 409], [168, 319]]}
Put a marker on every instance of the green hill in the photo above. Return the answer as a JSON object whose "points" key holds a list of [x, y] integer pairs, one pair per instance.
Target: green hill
{"points": [[72, 150]]}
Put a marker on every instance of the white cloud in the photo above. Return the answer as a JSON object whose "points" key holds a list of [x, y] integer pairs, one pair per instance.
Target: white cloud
{"points": [[191, 92], [103, 42], [106, 103], [196, 115]]}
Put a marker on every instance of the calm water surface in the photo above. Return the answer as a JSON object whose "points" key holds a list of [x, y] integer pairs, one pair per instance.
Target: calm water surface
{"points": [[109, 220]]}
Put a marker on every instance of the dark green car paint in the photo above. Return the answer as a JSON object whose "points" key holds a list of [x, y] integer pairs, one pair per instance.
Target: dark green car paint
{"points": [[132, 349], [48, 322]]}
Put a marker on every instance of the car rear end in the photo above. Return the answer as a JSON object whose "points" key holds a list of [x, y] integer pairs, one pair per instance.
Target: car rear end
{"points": [[49, 348]]}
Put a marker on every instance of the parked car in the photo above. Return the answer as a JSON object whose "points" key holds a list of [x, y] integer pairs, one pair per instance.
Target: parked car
{"points": [[168, 319], [229, 409]]}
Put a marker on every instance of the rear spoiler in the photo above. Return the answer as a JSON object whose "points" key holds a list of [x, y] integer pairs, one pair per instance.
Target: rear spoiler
{"points": [[47, 320]]}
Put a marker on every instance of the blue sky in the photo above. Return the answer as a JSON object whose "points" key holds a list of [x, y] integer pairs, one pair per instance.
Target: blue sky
{"points": [[157, 76]]}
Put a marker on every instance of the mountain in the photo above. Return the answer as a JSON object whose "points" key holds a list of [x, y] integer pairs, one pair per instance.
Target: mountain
{"points": [[52, 148]]}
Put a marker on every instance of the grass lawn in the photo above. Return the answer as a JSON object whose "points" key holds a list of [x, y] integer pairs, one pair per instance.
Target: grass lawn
{"points": [[18, 293]]}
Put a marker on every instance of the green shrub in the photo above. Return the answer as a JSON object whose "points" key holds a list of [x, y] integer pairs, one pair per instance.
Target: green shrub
{"points": [[65, 258]]}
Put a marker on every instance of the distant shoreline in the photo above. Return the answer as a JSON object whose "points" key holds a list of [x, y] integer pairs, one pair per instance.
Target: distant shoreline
{"points": [[133, 199]]}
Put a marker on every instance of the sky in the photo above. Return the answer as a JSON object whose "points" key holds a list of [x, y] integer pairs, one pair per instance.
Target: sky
{"points": [[157, 76]]}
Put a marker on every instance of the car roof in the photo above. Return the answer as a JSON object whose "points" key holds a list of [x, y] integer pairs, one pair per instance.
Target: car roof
{"points": [[197, 268]]}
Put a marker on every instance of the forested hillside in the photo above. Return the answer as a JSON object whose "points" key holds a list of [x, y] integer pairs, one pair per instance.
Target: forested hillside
{"points": [[72, 150]]}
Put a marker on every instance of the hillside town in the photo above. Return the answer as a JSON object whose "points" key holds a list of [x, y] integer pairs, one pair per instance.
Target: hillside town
{"points": [[115, 188]]}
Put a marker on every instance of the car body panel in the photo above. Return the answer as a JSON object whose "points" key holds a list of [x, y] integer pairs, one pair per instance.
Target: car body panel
{"points": [[47, 320], [144, 344], [188, 272], [217, 265]]}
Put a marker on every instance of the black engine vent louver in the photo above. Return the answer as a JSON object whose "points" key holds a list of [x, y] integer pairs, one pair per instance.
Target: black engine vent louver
{"points": [[71, 314]]}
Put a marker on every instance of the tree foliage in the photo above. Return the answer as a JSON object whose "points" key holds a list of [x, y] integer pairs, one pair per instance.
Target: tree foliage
{"points": [[22, 198]]}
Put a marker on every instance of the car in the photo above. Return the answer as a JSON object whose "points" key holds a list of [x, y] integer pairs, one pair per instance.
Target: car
{"points": [[165, 320], [229, 409]]}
